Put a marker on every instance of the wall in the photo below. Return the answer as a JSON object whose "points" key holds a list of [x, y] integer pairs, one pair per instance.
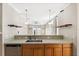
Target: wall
{"points": [[0, 17], [78, 29], [69, 16], [9, 17], [0, 29]]}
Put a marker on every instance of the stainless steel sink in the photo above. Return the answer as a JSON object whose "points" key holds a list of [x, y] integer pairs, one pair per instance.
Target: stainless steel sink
{"points": [[34, 40]]}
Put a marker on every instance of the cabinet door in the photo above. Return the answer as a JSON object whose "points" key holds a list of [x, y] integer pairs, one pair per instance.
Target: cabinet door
{"points": [[53, 50], [33, 50], [67, 50], [27, 50], [39, 50], [58, 51], [49, 51]]}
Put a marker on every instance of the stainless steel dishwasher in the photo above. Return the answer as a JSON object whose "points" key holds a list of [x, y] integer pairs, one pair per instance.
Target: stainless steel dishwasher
{"points": [[12, 50]]}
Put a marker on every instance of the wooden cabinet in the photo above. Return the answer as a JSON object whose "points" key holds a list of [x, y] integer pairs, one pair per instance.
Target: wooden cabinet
{"points": [[67, 50], [58, 51], [47, 49], [33, 50], [27, 50], [53, 50], [38, 50]]}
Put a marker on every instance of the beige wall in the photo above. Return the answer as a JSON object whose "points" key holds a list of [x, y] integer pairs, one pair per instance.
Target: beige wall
{"points": [[0, 17], [9, 15], [78, 29], [0, 29], [69, 16]]}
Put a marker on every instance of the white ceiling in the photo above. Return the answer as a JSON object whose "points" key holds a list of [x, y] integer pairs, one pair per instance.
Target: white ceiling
{"points": [[38, 11]]}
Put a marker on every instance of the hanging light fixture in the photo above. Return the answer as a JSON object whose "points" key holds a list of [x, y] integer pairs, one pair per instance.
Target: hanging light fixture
{"points": [[26, 22], [49, 14]]}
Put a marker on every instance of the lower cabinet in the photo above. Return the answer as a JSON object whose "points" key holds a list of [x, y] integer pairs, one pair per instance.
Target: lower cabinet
{"points": [[53, 50], [58, 51], [27, 51], [39, 50], [47, 50], [33, 50], [67, 50]]}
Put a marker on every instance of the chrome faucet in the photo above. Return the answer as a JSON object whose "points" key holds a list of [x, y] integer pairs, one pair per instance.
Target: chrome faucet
{"points": [[34, 35]]}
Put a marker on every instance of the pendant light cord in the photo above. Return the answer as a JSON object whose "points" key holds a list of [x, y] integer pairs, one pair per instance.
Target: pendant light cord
{"points": [[26, 14], [49, 13]]}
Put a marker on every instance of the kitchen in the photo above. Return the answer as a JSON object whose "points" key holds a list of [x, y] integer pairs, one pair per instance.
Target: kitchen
{"points": [[40, 29]]}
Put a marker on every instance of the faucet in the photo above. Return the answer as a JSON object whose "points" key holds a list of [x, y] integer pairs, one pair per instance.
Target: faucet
{"points": [[29, 37], [34, 35]]}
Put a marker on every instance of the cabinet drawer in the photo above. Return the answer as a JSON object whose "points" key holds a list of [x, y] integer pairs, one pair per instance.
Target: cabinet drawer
{"points": [[33, 45], [53, 45], [27, 46]]}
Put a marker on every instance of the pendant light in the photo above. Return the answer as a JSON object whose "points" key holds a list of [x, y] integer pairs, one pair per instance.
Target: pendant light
{"points": [[26, 22], [49, 14], [49, 17]]}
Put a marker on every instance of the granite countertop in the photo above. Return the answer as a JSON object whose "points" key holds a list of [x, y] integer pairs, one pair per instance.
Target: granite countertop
{"points": [[44, 41]]}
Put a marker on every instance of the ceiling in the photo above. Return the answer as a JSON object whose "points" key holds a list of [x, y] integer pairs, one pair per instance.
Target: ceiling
{"points": [[38, 11]]}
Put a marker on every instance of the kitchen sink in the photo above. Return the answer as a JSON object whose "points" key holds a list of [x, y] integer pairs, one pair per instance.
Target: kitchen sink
{"points": [[34, 40]]}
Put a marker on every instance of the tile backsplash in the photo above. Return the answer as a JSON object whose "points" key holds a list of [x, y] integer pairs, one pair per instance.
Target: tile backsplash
{"points": [[39, 37]]}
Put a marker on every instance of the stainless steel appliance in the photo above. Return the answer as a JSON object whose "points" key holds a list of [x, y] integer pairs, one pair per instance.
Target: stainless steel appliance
{"points": [[12, 50]]}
